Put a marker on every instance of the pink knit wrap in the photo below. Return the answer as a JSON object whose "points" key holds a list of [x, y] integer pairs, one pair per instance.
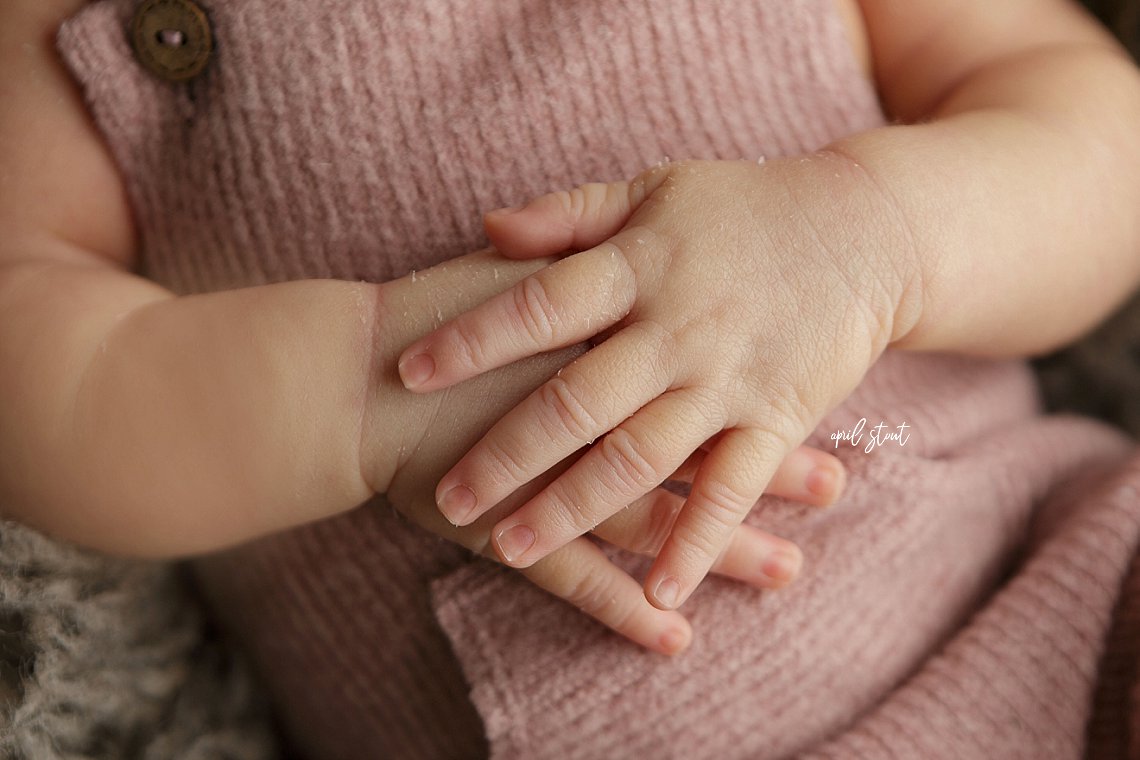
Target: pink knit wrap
{"points": [[971, 596]]}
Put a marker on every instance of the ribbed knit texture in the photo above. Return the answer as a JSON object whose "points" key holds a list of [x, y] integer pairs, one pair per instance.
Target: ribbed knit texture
{"points": [[955, 604]]}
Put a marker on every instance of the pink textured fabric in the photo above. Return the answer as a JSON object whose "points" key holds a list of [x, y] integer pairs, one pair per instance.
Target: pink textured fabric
{"points": [[973, 595]]}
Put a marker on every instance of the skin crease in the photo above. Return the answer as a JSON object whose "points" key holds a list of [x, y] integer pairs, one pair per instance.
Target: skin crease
{"points": [[1002, 112]]}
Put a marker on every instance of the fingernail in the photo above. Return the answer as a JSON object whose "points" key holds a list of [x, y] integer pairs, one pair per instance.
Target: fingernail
{"points": [[457, 504], [782, 565], [667, 592], [822, 481], [514, 542], [507, 211], [674, 641], [417, 370]]}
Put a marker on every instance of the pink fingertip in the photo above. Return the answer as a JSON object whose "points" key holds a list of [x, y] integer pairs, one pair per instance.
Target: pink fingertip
{"points": [[674, 641], [782, 565], [457, 504], [667, 593], [416, 370], [824, 482], [514, 542]]}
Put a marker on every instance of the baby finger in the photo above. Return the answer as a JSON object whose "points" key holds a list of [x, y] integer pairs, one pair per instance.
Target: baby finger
{"points": [[730, 481], [568, 302], [581, 574], [571, 219]]}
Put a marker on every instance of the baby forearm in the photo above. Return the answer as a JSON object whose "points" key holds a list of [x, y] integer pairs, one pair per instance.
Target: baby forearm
{"points": [[1012, 212], [141, 423], [148, 424]]}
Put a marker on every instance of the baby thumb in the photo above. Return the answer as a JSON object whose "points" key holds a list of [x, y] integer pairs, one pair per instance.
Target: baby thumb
{"points": [[567, 221]]}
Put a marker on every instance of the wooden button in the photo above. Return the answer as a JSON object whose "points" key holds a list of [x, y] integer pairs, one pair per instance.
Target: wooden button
{"points": [[172, 39]]}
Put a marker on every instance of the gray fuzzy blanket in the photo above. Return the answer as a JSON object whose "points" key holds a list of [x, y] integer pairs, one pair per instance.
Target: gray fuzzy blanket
{"points": [[106, 658]]}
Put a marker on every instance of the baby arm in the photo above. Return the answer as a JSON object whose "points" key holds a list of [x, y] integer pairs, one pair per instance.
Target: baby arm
{"points": [[997, 218], [130, 420], [1011, 191], [137, 422]]}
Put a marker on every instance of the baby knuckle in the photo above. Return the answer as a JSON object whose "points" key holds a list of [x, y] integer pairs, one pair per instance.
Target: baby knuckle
{"points": [[593, 594], [772, 443], [699, 545], [569, 507], [661, 341], [470, 345], [721, 507], [508, 464], [793, 411], [567, 410], [574, 515], [619, 614], [706, 405], [535, 311], [574, 202], [632, 471]]}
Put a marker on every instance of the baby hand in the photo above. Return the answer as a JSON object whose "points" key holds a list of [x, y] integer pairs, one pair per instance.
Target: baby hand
{"points": [[437, 429], [738, 309]]}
